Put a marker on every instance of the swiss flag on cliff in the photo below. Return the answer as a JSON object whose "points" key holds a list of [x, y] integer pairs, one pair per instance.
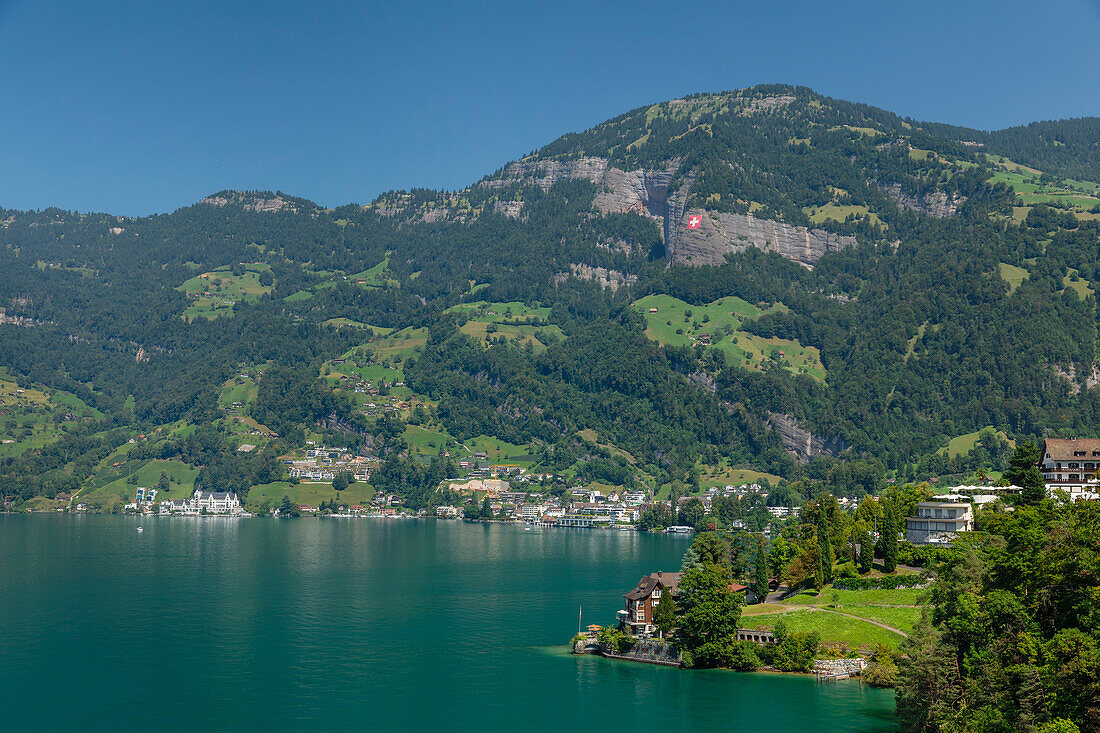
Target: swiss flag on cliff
{"points": [[695, 221]]}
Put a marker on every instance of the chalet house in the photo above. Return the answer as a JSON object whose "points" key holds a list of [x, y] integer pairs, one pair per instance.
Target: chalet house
{"points": [[1072, 465], [938, 521], [750, 597], [642, 601]]}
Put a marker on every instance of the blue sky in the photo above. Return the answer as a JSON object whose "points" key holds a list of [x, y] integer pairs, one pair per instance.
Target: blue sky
{"points": [[141, 107]]}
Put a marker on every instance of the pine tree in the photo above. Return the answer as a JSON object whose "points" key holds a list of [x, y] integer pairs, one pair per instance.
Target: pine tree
{"points": [[825, 555], [866, 550], [1034, 489], [760, 572], [889, 534], [664, 615]]}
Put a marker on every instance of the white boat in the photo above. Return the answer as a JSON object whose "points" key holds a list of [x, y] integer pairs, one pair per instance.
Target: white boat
{"points": [[141, 529]]}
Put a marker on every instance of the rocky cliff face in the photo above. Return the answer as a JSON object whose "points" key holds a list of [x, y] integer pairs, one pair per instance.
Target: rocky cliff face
{"points": [[602, 276], [800, 443], [641, 191], [250, 201], [722, 233], [934, 203], [545, 173]]}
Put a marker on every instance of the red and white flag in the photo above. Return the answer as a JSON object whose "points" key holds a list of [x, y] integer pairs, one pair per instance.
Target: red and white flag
{"points": [[695, 221]]}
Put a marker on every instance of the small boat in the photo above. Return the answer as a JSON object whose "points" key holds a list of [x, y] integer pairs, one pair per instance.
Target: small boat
{"points": [[141, 529]]}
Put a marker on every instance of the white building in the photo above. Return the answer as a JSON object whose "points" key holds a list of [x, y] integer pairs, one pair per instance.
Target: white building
{"points": [[210, 502], [1072, 465], [938, 522]]}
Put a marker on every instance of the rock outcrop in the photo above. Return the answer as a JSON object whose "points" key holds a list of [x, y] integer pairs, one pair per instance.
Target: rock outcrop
{"points": [[604, 277], [511, 209], [250, 201], [800, 443], [934, 203], [723, 233], [756, 106], [641, 191], [545, 173]]}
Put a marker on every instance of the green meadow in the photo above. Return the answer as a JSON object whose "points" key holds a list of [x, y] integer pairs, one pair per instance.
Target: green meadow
{"points": [[215, 293], [674, 322]]}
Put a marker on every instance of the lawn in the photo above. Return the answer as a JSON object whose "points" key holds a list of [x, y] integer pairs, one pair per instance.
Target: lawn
{"points": [[590, 436], [963, 444], [832, 627], [900, 608], [723, 476], [848, 598], [912, 343], [375, 277], [840, 212], [426, 441], [1013, 275], [401, 344], [1079, 284], [309, 493], [500, 451], [1080, 196]]}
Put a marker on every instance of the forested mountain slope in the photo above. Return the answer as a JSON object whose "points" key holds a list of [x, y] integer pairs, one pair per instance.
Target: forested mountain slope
{"points": [[765, 279]]}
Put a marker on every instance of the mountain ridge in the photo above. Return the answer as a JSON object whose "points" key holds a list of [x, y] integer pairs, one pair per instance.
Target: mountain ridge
{"points": [[832, 276]]}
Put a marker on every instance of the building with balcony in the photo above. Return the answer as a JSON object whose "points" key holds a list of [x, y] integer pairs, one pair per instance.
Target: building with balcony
{"points": [[938, 522], [1072, 465]]}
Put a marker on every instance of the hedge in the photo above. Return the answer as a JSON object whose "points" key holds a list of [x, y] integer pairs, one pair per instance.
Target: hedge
{"points": [[886, 582]]}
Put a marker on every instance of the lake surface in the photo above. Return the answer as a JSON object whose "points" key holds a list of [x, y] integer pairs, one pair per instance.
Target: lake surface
{"points": [[354, 624]]}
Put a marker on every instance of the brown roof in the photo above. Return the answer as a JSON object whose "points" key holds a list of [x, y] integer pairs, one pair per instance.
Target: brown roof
{"points": [[650, 582], [1062, 449]]}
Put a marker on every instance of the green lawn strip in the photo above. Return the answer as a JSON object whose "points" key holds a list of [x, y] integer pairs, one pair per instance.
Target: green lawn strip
{"points": [[892, 597], [831, 626], [900, 617], [311, 494]]}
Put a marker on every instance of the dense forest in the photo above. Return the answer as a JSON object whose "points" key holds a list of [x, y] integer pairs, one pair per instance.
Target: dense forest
{"points": [[939, 321]]}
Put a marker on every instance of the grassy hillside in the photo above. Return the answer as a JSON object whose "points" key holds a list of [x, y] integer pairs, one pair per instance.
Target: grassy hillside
{"points": [[717, 324], [216, 292]]}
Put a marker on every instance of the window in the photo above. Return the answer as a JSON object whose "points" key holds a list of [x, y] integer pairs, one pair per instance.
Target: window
{"points": [[656, 593]]}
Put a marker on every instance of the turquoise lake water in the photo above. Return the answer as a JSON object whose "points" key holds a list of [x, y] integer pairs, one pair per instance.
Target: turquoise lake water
{"points": [[210, 624]]}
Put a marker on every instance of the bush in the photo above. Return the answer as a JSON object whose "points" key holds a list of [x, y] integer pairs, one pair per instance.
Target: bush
{"points": [[794, 652], [882, 671], [846, 570], [615, 641], [745, 656], [922, 556]]}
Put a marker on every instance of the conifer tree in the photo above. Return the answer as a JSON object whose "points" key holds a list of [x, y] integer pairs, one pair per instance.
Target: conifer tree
{"points": [[889, 534], [825, 555]]}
